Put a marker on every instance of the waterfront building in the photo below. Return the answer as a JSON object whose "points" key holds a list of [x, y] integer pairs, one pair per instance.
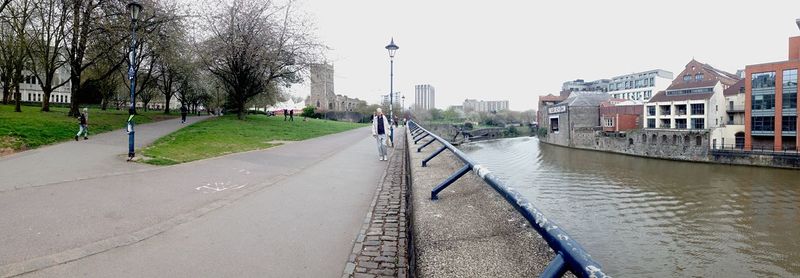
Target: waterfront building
{"points": [[620, 115], [693, 101], [640, 86], [424, 97], [771, 103], [579, 112], [323, 96], [544, 102], [734, 123], [485, 106]]}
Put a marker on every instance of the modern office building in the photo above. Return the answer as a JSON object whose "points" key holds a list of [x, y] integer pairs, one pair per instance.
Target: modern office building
{"points": [[424, 97], [694, 100], [771, 103], [579, 85], [640, 86], [395, 101]]}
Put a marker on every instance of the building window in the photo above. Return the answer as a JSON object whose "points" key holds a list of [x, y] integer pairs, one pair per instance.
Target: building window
{"points": [[763, 102], [680, 123], [698, 123], [789, 123], [790, 89], [698, 77], [644, 138], [652, 81], [764, 123], [687, 78], [666, 110], [698, 141], [651, 110], [665, 123], [651, 123], [554, 125], [763, 80]]}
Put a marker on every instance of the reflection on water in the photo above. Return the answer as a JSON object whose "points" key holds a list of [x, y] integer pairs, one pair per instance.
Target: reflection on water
{"points": [[655, 218]]}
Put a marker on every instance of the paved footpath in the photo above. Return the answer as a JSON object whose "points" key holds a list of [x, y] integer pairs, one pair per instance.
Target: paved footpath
{"points": [[289, 211], [102, 155]]}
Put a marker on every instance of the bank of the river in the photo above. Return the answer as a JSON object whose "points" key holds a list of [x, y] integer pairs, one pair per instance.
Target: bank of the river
{"points": [[644, 217], [681, 145]]}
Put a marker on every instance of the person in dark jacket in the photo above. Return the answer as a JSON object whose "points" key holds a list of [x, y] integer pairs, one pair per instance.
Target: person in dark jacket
{"points": [[82, 127], [291, 115], [184, 111]]}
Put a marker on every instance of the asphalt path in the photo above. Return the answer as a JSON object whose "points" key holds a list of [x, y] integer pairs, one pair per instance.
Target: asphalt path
{"points": [[289, 211]]}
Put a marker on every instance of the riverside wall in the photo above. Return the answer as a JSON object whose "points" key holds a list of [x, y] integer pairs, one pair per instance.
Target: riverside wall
{"points": [[682, 145]]}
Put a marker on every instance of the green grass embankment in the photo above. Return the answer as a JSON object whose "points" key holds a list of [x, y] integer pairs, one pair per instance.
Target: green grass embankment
{"points": [[32, 128], [224, 135]]}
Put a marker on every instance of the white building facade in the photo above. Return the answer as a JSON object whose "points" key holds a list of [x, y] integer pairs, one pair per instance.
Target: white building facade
{"points": [[485, 106], [640, 86], [424, 97], [31, 89]]}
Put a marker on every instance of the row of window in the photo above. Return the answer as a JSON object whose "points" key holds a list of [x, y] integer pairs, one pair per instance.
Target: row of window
{"points": [[767, 101], [680, 109], [763, 80], [679, 123], [697, 77], [788, 123], [642, 95], [641, 83], [690, 91], [53, 98]]}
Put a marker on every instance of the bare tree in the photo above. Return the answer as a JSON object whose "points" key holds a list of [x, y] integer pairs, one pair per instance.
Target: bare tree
{"points": [[46, 47], [15, 46], [253, 44], [4, 4]]}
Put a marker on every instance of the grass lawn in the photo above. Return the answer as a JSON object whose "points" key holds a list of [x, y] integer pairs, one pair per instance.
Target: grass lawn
{"points": [[224, 135], [32, 128]]}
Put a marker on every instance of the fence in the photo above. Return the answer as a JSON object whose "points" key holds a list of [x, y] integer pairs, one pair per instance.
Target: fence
{"points": [[756, 149], [569, 254]]}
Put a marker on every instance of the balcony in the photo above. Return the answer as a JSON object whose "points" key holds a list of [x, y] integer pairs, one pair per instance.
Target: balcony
{"points": [[736, 108]]}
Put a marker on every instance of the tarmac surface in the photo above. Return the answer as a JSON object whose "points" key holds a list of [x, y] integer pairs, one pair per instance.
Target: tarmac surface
{"points": [[77, 209]]}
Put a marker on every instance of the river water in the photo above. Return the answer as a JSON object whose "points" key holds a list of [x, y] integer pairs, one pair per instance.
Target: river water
{"points": [[644, 217]]}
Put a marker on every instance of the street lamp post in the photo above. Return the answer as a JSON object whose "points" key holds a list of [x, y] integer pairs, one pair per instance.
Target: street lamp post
{"points": [[403, 109], [392, 49], [135, 10]]}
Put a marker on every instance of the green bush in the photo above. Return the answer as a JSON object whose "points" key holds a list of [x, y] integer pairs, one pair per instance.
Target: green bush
{"points": [[310, 112]]}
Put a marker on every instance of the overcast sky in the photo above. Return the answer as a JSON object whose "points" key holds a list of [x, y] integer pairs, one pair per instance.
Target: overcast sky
{"points": [[518, 50]]}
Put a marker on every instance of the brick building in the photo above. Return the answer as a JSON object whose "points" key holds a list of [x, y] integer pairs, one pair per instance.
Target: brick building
{"points": [[619, 115], [771, 103]]}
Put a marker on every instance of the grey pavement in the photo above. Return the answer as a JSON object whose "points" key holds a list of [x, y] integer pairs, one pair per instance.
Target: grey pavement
{"points": [[288, 211], [102, 155]]}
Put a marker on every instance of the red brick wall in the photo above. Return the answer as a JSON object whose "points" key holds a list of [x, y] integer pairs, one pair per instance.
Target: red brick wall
{"points": [[794, 48]]}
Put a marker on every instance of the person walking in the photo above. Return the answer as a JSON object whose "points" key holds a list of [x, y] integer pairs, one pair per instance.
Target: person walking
{"points": [[291, 115], [82, 126], [184, 111], [380, 128], [285, 114]]}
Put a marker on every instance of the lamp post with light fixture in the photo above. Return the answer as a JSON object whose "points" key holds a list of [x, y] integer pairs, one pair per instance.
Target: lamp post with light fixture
{"points": [[392, 50], [135, 10]]}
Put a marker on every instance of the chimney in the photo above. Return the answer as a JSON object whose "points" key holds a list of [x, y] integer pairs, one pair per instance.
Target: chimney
{"points": [[794, 45]]}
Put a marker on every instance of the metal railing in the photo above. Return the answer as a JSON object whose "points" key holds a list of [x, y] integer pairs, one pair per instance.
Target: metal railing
{"points": [[569, 254], [757, 149]]}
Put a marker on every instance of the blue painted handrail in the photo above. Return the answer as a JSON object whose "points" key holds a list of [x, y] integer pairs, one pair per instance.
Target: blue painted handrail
{"points": [[569, 254]]}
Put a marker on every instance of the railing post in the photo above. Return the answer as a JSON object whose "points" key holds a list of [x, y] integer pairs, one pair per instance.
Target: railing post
{"points": [[423, 137], [426, 144], [556, 268], [437, 152], [454, 177]]}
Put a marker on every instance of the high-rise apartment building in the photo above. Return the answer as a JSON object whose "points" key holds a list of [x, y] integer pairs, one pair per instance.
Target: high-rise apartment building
{"points": [[485, 106], [424, 97]]}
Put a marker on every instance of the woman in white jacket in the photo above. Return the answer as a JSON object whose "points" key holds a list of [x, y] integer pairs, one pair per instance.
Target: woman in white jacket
{"points": [[380, 128]]}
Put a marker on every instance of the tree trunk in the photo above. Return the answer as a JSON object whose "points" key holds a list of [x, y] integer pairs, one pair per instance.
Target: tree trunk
{"points": [[75, 79], [46, 101], [168, 97], [6, 92], [145, 105], [104, 104], [242, 113], [17, 99]]}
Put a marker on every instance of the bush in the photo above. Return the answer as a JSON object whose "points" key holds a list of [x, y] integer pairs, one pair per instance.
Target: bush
{"points": [[310, 112]]}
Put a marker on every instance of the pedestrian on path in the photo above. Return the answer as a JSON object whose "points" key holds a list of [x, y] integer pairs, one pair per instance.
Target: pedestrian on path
{"points": [[184, 111], [380, 127], [291, 115], [285, 114], [83, 126]]}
